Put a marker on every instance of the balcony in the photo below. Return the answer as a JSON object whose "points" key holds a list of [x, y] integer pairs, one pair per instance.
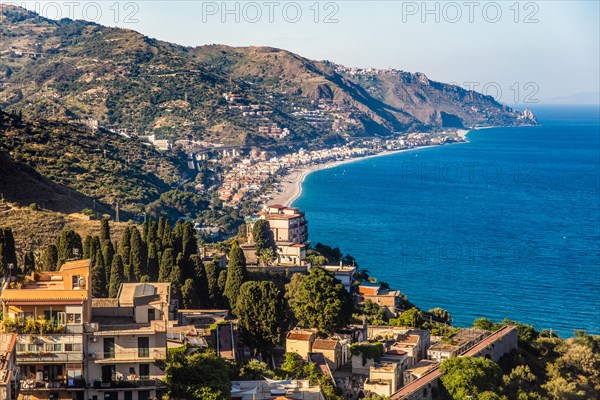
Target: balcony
{"points": [[129, 383], [57, 348], [134, 355], [27, 385]]}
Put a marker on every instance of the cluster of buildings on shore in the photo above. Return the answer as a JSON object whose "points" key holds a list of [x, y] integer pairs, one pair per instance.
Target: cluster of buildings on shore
{"points": [[59, 342]]}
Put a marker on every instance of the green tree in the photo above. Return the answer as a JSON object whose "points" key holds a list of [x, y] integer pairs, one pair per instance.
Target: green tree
{"points": [[469, 377], [189, 294], [189, 242], [236, 273], [28, 263], [8, 253], [87, 243], [264, 242], [166, 265], [201, 376], [176, 277], [124, 249], [221, 283], [139, 254], [322, 302], [99, 276], [69, 246], [116, 276], [153, 265], [104, 230], [108, 252], [261, 314], [212, 277], [412, 317], [50, 258]]}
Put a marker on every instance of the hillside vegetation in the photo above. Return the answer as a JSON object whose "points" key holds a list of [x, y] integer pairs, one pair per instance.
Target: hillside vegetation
{"points": [[74, 69]]}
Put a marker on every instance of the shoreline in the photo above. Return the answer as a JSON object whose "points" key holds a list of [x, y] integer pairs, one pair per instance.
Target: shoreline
{"points": [[290, 184]]}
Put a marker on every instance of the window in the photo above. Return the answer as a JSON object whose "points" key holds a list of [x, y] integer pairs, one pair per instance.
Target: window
{"points": [[151, 314], [76, 347], [143, 347], [109, 347], [128, 396], [53, 347], [73, 318], [25, 315], [144, 371]]}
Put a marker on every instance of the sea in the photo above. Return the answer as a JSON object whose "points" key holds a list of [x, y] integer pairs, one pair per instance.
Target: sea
{"points": [[504, 226]]}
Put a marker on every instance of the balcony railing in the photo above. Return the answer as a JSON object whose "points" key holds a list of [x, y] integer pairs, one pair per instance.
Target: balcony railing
{"points": [[129, 383], [129, 355], [32, 384], [49, 357]]}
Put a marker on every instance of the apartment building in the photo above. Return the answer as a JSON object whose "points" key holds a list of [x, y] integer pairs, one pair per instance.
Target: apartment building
{"points": [[8, 366], [48, 310], [128, 335], [287, 224]]}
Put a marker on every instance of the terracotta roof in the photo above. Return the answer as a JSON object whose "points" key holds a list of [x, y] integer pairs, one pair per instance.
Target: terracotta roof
{"points": [[325, 344], [299, 335]]}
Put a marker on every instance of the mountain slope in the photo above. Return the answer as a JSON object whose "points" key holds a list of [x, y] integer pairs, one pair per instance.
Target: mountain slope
{"points": [[65, 166], [74, 69]]}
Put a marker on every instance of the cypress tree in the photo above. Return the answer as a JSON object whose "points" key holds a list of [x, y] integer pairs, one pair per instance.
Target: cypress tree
{"points": [[50, 258], [166, 265], [8, 253], [104, 230], [236, 272], [200, 281], [177, 236], [29, 263], [125, 247], [98, 276], [212, 276], [189, 294], [176, 277], [87, 242], [160, 231], [189, 241], [116, 276], [108, 252], [221, 283], [139, 254], [167, 239], [94, 246], [152, 262], [69, 246]]}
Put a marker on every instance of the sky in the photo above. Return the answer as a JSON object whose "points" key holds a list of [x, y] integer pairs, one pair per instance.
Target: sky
{"points": [[519, 52]]}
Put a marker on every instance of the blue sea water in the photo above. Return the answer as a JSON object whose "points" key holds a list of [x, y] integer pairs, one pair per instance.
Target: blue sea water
{"points": [[507, 225]]}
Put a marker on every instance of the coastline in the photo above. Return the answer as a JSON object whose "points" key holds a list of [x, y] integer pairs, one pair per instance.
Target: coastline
{"points": [[290, 185]]}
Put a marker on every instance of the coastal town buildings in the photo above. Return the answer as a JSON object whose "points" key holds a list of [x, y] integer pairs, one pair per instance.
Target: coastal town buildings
{"points": [[458, 343], [126, 340], [51, 355], [8, 366], [344, 273], [386, 298]]}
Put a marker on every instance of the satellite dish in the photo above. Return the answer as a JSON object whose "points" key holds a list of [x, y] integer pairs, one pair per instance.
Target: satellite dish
{"points": [[81, 282]]}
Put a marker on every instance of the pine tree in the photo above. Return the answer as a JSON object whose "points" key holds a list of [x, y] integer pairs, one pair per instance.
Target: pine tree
{"points": [[236, 272], [139, 254], [166, 265], [98, 276], [116, 276], [153, 267]]}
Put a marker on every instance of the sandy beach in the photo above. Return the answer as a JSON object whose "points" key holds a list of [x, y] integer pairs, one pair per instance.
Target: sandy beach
{"points": [[290, 185]]}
